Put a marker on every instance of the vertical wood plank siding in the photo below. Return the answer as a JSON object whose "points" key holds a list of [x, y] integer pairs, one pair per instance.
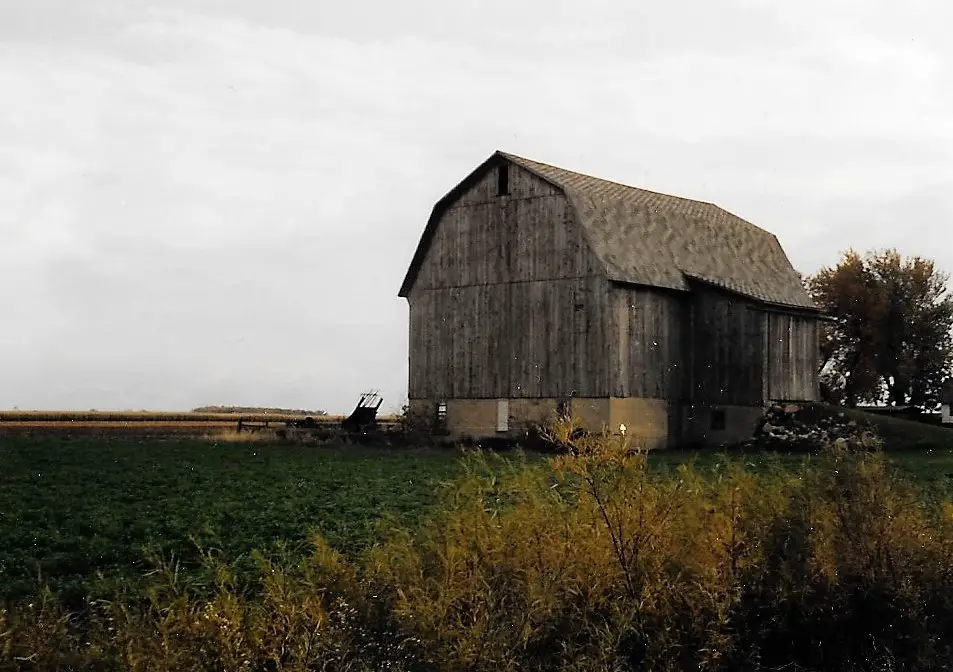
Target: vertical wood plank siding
{"points": [[529, 235], [727, 341], [509, 300], [792, 352], [648, 348]]}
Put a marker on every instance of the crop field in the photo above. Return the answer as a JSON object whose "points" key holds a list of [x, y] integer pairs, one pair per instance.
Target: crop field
{"points": [[141, 423], [141, 416], [72, 506], [91, 516], [154, 416]]}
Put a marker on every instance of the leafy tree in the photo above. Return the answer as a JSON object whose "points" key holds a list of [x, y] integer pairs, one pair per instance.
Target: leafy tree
{"points": [[890, 335]]}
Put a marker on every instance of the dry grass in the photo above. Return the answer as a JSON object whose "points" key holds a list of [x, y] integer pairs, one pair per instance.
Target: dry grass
{"points": [[231, 435], [219, 426], [160, 416], [61, 424], [148, 416], [583, 562]]}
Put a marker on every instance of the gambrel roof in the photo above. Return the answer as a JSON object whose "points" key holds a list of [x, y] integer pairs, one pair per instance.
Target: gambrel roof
{"points": [[647, 238]]}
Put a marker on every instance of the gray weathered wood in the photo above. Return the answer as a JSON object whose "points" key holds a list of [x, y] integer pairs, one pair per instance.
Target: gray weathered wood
{"points": [[509, 301]]}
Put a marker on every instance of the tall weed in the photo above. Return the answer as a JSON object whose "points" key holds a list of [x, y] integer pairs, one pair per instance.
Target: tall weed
{"points": [[587, 560]]}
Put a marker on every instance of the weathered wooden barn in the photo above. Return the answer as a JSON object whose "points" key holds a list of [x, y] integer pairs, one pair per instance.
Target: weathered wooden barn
{"points": [[535, 290]]}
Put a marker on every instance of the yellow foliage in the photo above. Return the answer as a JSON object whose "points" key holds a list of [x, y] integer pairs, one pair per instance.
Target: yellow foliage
{"points": [[587, 560]]}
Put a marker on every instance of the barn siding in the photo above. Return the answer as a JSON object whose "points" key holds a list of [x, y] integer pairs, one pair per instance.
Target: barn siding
{"points": [[647, 346], [727, 347], [509, 302], [484, 239], [509, 299], [507, 341], [791, 357]]}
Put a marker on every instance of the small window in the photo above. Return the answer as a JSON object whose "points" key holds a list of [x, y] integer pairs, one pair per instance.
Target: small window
{"points": [[440, 418], [718, 422], [503, 180]]}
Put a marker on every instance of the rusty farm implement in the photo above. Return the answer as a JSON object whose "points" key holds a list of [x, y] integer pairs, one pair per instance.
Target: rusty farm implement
{"points": [[362, 421]]}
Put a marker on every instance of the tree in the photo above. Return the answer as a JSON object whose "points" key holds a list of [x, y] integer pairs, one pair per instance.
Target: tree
{"points": [[891, 334], [850, 295]]}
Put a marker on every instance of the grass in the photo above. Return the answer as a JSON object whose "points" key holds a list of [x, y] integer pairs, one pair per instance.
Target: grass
{"points": [[898, 435], [599, 559], [71, 508]]}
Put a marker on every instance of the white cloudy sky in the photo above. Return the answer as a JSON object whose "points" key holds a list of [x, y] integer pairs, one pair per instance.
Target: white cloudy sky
{"points": [[215, 201]]}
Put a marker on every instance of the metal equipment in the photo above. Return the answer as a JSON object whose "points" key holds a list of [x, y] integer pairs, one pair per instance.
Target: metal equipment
{"points": [[363, 419], [364, 416]]}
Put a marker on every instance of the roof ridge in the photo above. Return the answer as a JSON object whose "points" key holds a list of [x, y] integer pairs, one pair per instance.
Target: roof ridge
{"points": [[652, 238], [663, 194], [588, 176], [703, 239]]}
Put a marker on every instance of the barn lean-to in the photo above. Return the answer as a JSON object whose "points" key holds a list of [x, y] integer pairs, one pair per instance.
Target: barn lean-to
{"points": [[536, 289]]}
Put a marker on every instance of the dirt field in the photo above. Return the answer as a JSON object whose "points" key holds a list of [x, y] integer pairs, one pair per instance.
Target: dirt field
{"points": [[140, 423]]}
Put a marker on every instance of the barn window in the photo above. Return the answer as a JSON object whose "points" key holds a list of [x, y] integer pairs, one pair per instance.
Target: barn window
{"points": [[503, 180], [718, 421], [440, 417]]}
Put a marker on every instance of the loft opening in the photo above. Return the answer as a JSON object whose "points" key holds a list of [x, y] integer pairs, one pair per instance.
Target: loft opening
{"points": [[503, 180]]}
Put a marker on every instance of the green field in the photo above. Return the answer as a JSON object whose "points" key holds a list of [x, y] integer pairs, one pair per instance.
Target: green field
{"points": [[753, 569], [71, 508]]}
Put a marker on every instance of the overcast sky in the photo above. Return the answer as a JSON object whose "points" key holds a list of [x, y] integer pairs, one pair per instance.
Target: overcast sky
{"points": [[215, 201]]}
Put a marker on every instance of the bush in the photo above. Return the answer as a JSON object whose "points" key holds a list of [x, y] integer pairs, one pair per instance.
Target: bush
{"points": [[584, 561]]}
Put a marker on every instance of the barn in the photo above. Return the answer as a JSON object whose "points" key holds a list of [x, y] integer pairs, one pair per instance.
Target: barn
{"points": [[535, 290]]}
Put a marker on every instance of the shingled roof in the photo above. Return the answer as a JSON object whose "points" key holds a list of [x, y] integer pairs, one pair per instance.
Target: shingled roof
{"points": [[647, 238]]}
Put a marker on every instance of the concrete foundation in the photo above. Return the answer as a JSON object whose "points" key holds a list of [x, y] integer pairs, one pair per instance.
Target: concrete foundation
{"points": [[651, 423]]}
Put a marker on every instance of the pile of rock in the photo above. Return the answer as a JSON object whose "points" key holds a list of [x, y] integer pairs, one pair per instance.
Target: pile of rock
{"points": [[781, 428]]}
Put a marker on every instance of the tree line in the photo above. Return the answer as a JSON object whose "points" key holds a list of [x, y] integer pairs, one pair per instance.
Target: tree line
{"points": [[256, 409], [888, 333]]}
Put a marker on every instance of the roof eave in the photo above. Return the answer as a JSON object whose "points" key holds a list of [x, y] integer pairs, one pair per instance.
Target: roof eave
{"points": [[628, 282], [815, 311], [439, 208], [761, 301]]}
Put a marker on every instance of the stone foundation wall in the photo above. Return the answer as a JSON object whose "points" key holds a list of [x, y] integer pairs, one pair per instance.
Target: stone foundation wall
{"points": [[651, 423], [701, 425]]}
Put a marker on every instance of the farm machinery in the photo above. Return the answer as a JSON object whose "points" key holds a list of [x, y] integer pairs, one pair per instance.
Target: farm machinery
{"points": [[362, 422]]}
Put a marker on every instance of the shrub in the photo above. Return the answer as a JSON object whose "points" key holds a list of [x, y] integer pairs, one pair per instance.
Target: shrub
{"points": [[584, 561]]}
